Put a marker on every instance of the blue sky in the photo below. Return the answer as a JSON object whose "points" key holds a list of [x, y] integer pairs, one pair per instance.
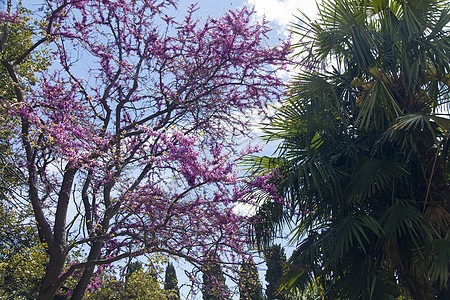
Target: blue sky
{"points": [[278, 12]]}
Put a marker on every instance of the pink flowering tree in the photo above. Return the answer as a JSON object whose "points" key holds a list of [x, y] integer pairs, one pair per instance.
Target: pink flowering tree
{"points": [[130, 138]]}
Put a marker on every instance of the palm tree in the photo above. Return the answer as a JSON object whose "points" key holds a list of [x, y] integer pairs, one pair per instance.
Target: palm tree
{"points": [[364, 153]]}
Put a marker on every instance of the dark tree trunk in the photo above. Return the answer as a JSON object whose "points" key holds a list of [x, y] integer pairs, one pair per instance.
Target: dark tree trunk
{"points": [[57, 245], [94, 255], [54, 269]]}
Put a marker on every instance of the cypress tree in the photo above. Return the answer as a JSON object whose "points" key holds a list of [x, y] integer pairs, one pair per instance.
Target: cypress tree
{"points": [[249, 285], [214, 287], [275, 259], [132, 267], [171, 283]]}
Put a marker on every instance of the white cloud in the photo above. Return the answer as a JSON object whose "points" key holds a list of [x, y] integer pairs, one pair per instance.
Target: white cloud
{"points": [[244, 209], [282, 11]]}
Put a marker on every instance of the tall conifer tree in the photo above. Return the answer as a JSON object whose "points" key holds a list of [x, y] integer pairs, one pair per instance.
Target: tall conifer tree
{"points": [[249, 285], [275, 258], [171, 283], [214, 287]]}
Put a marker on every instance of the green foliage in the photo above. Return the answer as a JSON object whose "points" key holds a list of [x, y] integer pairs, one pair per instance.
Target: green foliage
{"points": [[20, 38], [140, 284], [110, 287], [364, 156], [10, 177], [132, 267], [249, 285], [22, 257], [143, 285]]}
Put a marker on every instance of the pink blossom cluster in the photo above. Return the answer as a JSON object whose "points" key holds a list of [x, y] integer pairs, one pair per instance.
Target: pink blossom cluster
{"points": [[130, 138]]}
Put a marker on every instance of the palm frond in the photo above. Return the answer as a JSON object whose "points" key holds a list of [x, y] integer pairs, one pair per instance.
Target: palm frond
{"points": [[373, 176], [353, 231], [439, 258], [405, 221], [434, 125], [378, 108]]}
